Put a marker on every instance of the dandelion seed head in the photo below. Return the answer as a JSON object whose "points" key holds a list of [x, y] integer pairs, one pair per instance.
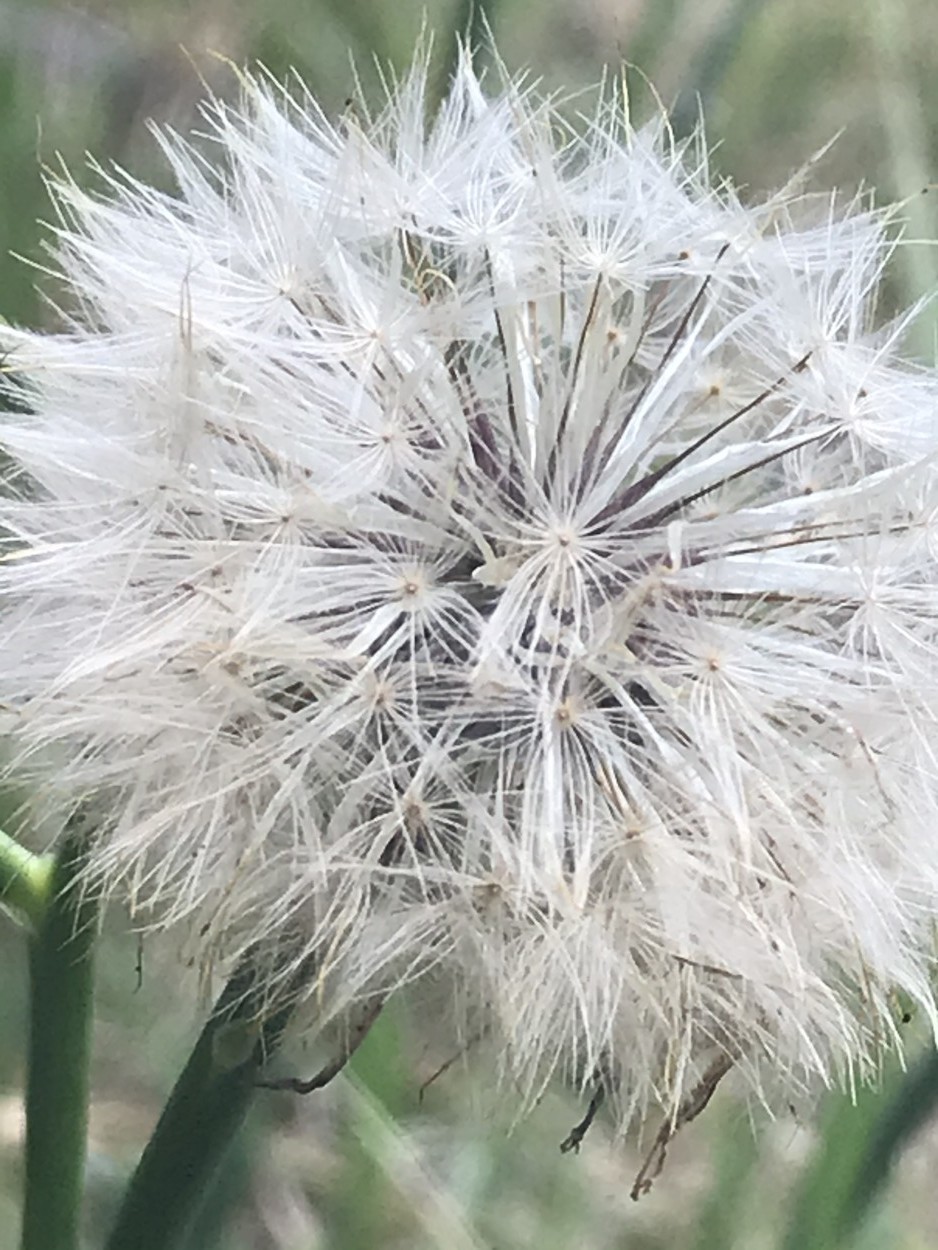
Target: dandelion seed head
{"points": [[487, 555]]}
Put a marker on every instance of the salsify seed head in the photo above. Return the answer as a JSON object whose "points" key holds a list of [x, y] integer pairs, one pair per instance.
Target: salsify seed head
{"points": [[484, 552]]}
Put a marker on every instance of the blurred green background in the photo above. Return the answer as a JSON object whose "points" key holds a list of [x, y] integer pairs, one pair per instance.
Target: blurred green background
{"points": [[369, 1162]]}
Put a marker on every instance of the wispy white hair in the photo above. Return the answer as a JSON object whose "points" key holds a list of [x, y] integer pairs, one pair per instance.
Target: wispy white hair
{"points": [[484, 550]]}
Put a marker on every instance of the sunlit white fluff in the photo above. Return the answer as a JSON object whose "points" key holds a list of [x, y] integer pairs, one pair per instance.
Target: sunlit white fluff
{"points": [[489, 553]]}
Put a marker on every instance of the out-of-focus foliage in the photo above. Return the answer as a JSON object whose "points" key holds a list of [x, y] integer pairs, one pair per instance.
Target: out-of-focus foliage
{"points": [[370, 1161], [376, 1161]]}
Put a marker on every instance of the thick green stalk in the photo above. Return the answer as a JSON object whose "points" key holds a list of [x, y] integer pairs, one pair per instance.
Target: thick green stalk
{"points": [[61, 990], [25, 880], [204, 1112]]}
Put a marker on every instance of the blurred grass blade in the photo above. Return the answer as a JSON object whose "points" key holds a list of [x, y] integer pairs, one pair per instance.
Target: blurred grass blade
{"points": [[912, 166], [21, 192], [823, 1208], [473, 23], [722, 1213], [712, 64], [654, 27], [911, 1103]]}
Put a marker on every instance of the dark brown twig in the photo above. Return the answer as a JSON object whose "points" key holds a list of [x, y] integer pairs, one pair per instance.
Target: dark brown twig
{"points": [[357, 1034], [448, 1063], [690, 1108], [574, 1139]]}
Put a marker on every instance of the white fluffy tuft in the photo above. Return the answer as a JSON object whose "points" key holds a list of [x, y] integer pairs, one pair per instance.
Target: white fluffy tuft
{"points": [[488, 551]]}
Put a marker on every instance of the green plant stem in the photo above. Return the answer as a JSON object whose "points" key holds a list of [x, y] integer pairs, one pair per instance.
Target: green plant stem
{"points": [[61, 991], [204, 1112], [25, 880]]}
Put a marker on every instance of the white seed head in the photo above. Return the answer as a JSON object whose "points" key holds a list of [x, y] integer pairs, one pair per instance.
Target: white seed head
{"points": [[487, 553]]}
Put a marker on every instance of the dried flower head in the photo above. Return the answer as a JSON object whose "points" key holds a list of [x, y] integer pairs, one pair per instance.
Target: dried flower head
{"points": [[485, 551]]}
